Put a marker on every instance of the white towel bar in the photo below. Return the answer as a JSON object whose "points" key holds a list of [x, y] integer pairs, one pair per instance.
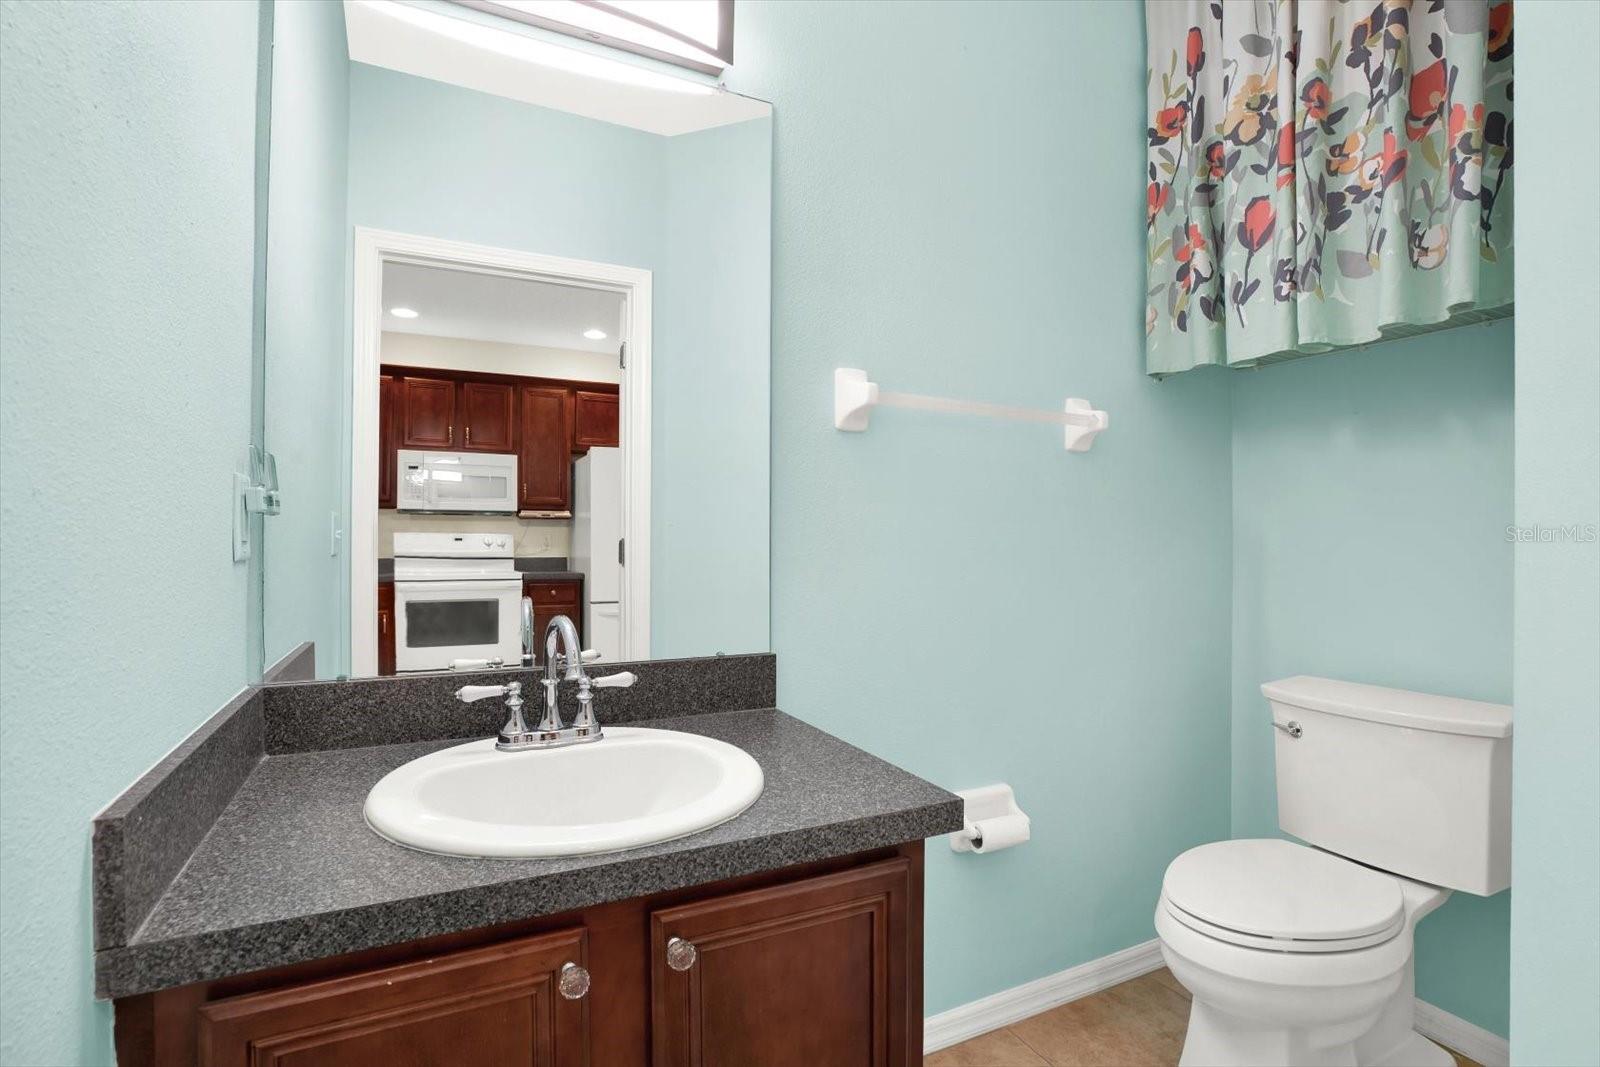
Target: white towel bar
{"points": [[854, 397]]}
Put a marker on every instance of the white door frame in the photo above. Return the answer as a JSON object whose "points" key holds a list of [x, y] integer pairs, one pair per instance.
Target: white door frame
{"points": [[374, 248]]}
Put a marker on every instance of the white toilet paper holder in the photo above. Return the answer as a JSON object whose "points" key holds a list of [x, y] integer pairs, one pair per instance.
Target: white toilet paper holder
{"points": [[984, 803]]}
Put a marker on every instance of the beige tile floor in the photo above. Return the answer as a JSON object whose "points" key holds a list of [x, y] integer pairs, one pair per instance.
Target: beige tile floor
{"points": [[1139, 1023]]}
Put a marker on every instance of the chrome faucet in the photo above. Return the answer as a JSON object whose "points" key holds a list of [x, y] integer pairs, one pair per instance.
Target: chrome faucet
{"points": [[563, 658], [559, 632]]}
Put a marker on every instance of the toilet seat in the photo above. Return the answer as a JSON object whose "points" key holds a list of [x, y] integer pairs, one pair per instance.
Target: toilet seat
{"points": [[1282, 897]]}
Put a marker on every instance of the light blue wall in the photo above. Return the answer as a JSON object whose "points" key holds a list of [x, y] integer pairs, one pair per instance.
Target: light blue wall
{"points": [[1555, 922], [306, 356], [126, 259], [433, 159], [965, 597], [1371, 492], [711, 403]]}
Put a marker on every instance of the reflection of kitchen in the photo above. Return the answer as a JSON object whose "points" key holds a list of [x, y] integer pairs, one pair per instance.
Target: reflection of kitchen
{"points": [[500, 467]]}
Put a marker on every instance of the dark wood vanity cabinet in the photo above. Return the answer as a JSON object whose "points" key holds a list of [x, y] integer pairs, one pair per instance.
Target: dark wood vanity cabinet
{"points": [[813, 965], [812, 972], [499, 1004], [552, 598], [544, 421]]}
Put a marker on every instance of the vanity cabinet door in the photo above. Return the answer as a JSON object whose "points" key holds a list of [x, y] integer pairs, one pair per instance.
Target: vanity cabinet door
{"points": [[488, 414], [427, 412], [500, 1005], [544, 466], [594, 420], [817, 971]]}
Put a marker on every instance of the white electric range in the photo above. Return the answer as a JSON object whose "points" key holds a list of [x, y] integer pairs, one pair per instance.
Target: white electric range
{"points": [[457, 596]]}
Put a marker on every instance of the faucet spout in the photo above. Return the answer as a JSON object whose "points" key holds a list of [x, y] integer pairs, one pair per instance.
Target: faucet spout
{"points": [[560, 643]]}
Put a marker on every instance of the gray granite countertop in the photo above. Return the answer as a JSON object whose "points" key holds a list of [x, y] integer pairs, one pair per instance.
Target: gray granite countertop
{"points": [[290, 871]]}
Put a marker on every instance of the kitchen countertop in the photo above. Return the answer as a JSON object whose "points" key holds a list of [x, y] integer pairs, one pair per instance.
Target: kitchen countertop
{"points": [[529, 573], [290, 871]]}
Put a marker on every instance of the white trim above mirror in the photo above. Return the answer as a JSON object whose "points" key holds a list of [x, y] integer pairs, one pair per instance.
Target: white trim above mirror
{"points": [[513, 63]]}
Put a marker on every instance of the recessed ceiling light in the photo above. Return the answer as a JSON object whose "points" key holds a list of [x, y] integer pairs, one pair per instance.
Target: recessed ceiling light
{"points": [[403, 313], [595, 335]]}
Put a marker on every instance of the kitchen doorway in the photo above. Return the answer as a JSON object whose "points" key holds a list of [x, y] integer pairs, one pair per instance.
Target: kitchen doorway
{"points": [[433, 385]]}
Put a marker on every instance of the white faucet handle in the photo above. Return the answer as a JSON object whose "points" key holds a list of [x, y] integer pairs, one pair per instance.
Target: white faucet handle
{"points": [[620, 680], [468, 693], [476, 664]]}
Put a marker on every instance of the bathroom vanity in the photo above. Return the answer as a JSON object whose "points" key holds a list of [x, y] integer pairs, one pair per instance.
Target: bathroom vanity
{"points": [[246, 913], [815, 964]]}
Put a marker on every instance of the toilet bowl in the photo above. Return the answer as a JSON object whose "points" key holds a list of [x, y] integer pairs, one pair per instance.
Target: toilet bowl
{"points": [[1294, 957]]}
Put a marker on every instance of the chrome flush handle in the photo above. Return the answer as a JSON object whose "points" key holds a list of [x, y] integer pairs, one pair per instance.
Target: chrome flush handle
{"points": [[1291, 727]]}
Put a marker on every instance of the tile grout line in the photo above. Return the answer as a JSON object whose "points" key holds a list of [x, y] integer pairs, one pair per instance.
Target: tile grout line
{"points": [[1024, 1042]]}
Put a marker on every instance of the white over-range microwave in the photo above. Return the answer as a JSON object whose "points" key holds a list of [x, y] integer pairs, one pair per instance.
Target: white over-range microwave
{"points": [[456, 481]]}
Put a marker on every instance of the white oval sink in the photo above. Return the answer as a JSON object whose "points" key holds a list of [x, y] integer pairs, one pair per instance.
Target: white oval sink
{"points": [[632, 787]]}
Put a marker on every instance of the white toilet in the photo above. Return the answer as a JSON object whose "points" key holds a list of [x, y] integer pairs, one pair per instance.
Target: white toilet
{"points": [[1300, 956]]}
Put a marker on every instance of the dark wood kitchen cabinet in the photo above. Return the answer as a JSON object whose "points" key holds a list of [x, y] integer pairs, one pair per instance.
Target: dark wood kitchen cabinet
{"points": [[551, 598], [388, 438], [594, 420], [385, 627], [496, 1005], [811, 965], [543, 421], [544, 464], [427, 412], [488, 416]]}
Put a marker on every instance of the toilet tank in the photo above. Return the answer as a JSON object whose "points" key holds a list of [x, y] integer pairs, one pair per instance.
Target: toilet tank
{"points": [[1412, 783]]}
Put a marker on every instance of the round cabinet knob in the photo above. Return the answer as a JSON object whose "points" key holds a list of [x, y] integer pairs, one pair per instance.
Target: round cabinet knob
{"points": [[681, 954], [574, 981]]}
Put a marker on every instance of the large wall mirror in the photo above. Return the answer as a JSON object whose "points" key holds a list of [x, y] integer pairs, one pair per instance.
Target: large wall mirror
{"points": [[517, 345]]}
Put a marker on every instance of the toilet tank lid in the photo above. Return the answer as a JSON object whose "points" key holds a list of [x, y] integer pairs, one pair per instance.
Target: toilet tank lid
{"points": [[1397, 707]]}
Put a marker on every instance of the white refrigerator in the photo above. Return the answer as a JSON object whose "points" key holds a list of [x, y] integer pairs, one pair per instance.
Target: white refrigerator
{"points": [[597, 546]]}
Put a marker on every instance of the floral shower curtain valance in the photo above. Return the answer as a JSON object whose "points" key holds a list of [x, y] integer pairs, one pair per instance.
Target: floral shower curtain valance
{"points": [[1323, 173]]}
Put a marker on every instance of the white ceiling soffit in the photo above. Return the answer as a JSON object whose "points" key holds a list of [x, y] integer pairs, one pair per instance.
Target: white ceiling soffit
{"points": [[428, 44], [494, 307]]}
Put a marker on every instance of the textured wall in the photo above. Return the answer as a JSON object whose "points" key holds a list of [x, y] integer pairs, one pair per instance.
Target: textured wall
{"points": [[1555, 942], [308, 245], [127, 157], [953, 212], [1371, 492]]}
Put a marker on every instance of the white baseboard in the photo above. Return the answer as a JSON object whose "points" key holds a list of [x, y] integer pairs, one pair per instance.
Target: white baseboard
{"points": [[1012, 1005], [1473, 1042], [1019, 1002]]}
